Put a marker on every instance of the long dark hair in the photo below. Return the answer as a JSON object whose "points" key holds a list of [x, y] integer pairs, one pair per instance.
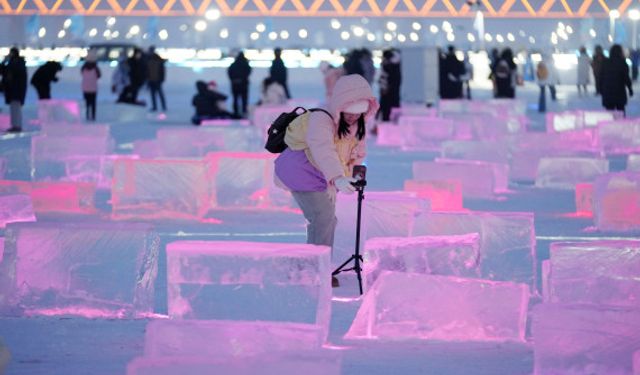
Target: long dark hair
{"points": [[343, 127]]}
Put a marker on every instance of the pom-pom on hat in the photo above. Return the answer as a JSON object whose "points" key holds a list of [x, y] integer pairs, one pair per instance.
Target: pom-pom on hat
{"points": [[360, 106]]}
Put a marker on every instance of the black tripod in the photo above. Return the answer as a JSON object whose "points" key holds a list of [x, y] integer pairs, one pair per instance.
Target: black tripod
{"points": [[356, 257]]}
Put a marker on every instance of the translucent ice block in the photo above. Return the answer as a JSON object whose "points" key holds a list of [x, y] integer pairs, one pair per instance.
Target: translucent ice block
{"points": [[263, 116], [564, 121], [598, 272], [412, 110], [619, 136], [226, 338], [633, 163], [183, 142], [444, 195], [384, 214], [15, 208], [406, 306], [225, 122], [437, 255], [579, 340], [62, 197], [584, 199], [566, 172], [97, 169], [616, 201], [390, 134], [479, 179], [90, 269], [425, 131], [77, 130], [160, 189], [318, 362], [249, 281], [636, 363], [3, 167], [58, 111], [491, 151], [507, 240]]}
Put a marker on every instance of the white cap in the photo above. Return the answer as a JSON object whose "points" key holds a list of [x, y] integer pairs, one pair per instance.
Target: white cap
{"points": [[361, 106]]}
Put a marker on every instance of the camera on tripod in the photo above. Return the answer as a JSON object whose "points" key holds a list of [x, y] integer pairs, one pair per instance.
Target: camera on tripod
{"points": [[360, 175]]}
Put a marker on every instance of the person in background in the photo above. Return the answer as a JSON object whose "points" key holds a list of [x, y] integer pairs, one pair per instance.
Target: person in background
{"points": [[389, 83], [584, 71], [494, 57], [596, 66], [615, 80], [506, 75], [451, 76], [272, 93], [120, 79], [352, 63], [467, 77], [156, 73], [330, 75], [137, 76], [239, 72], [634, 55], [209, 103], [90, 75], [14, 82], [368, 69], [278, 71], [43, 76], [547, 76]]}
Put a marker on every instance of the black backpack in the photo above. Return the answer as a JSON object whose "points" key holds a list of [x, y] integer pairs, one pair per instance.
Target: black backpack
{"points": [[275, 135]]}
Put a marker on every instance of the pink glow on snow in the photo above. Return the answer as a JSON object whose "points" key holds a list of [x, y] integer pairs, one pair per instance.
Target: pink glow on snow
{"points": [[444, 195]]}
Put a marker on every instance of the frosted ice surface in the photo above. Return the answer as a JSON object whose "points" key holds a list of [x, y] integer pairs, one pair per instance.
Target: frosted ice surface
{"points": [[422, 131], [225, 122], [103, 269], [384, 214], [564, 121], [174, 189], [599, 272], [437, 255], [65, 197], [579, 340], [490, 151], [617, 201], [390, 134], [58, 111], [412, 110], [405, 306], [15, 208], [97, 169], [77, 130], [309, 363], [479, 179], [584, 198], [190, 142], [633, 163], [566, 172], [249, 281], [444, 195], [264, 115], [507, 240], [226, 339], [619, 136]]}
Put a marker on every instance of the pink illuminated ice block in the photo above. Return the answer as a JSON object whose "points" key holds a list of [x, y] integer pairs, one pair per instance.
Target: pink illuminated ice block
{"points": [[147, 148], [225, 122], [156, 189], [241, 180], [15, 208], [180, 142], [616, 201], [384, 214], [584, 199], [579, 340], [479, 179], [619, 136], [390, 134], [490, 151], [227, 338], [249, 281], [444, 195], [60, 197], [566, 172], [435, 255], [58, 111], [409, 306], [597, 273], [412, 110], [422, 131], [633, 163], [636, 363], [100, 269], [264, 115], [5, 121], [77, 130], [97, 169], [316, 362], [507, 240]]}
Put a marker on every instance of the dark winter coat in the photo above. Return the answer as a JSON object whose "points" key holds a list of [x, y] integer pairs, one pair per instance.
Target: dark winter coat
{"points": [[137, 71], [206, 101], [390, 80], [615, 80], [14, 79], [505, 78], [278, 71], [452, 84], [46, 74], [239, 72], [155, 68]]}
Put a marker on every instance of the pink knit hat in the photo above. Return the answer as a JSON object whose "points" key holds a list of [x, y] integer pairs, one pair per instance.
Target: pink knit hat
{"points": [[350, 90]]}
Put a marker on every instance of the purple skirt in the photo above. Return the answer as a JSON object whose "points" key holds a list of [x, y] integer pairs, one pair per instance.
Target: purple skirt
{"points": [[297, 173]]}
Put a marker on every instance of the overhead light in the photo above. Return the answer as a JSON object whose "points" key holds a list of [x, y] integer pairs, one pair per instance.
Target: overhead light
{"points": [[358, 31], [115, 34], [634, 14], [42, 32], [335, 24], [163, 34], [499, 38], [134, 30], [260, 27], [414, 36], [510, 37], [111, 21], [345, 35], [212, 14], [433, 29], [284, 34], [388, 37], [371, 37], [614, 13], [61, 34], [93, 32], [273, 35], [67, 23], [487, 37], [471, 37], [392, 26], [302, 33], [451, 37], [254, 36], [224, 33], [416, 26], [200, 25]]}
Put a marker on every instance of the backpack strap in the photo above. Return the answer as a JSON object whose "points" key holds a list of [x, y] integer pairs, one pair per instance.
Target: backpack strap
{"points": [[321, 110]]}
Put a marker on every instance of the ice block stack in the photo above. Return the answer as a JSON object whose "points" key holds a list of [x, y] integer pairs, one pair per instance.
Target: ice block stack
{"points": [[619, 136], [444, 195], [15, 208], [566, 172], [249, 281], [179, 142], [390, 134], [424, 132], [436, 255], [616, 201], [97, 269], [58, 111], [97, 169], [479, 179], [490, 151], [597, 273], [54, 197], [409, 306]]}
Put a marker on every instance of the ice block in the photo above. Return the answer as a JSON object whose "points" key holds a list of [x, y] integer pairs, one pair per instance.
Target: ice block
{"points": [[578, 340], [99, 269], [156, 189], [5, 121], [616, 201], [390, 134], [591, 119], [479, 179], [507, 240], [564, 121], [434, 255], [264, 115], [412, 110], [490, 151], [425, 131], [227, 339], [444, 195], [3, 167], [317, 362], [633, 163], [96, 169], [584, 199], [636, 363], [77, 130], [249, 281], [58, 197], [180, 142], [597, 272], [58, 111], [409, 306], [224, 122], [566, 172], [15, 208], [619, 136], [1, 249]]}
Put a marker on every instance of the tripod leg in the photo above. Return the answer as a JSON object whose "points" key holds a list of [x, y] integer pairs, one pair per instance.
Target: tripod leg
{"points": [[339, 269]]}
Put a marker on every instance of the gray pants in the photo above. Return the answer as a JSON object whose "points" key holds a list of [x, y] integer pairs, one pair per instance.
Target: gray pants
{"points": [[320, 211], [15, 109]]}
